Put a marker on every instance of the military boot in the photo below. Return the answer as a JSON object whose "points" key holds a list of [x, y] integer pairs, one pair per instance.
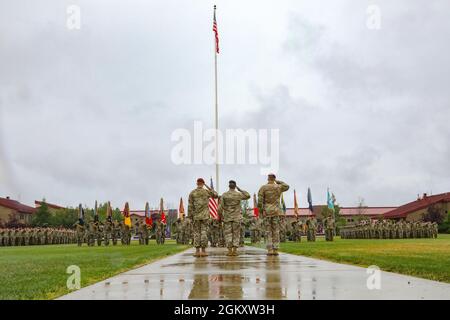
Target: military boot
{"points": [[197, 253], [204, 254], [230, 252], [270, 252], [275, 252], [235, 252]]}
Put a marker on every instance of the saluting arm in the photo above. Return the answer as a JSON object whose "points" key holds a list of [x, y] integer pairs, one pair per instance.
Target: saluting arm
{"points": [[284, 186], [245, 194]]}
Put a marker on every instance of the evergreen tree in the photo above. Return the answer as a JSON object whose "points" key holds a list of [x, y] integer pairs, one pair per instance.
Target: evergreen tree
{"points": [[42, 217]]}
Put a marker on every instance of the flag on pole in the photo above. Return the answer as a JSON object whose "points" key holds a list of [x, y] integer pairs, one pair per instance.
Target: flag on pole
{"points": [[161, 210], [295, 204], [81, 214], [95, 212], [181, 209], [255, 206], [216, 31], [126, 214], [109, 212], [212, 205], [330, 200], [148, 215], [283, 205], [310, 201]]}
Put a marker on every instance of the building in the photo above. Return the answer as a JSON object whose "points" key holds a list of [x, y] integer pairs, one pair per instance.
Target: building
{"points": [[52, 208], [14, 211], [414, 211], [350, 214]]}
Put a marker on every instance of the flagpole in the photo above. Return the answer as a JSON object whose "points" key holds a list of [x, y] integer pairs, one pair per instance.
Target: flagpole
{"points": [[216, 114]]}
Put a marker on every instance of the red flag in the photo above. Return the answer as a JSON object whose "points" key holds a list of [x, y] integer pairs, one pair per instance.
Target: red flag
{"points": [[148, 216], [161, 210], [212, 205], [255, 206], [216, 31], [213, 208]]}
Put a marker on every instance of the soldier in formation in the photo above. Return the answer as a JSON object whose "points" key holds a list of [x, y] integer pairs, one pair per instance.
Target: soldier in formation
{"points": [[198, 212], [297, 228], [214, 232], [230, 213], [329, 226], [255, 230], [36, 236], [268, 202], [311, 229], [389, 229]]}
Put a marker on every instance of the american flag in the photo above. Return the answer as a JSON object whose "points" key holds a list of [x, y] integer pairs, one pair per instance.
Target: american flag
{"points": [[216, 31], [212, 205]]}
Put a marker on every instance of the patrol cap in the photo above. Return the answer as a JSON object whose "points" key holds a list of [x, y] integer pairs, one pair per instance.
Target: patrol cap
{"points": [[232, 181], [272, 175]]}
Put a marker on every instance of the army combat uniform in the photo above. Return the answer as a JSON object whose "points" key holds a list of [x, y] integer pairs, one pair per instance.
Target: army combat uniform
{"points": [[231, 214], [268, 202], [198, 211]]}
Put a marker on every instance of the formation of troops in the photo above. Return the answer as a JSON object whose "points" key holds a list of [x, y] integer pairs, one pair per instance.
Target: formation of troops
{"points": [[36, 236], [229, 230], [388, 229], [113, 232]]}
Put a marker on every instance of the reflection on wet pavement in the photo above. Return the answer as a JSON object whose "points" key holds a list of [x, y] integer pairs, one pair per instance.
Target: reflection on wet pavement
{"points": [[253, 275]]}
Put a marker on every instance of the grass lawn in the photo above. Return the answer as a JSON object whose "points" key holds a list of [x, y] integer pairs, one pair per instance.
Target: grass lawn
{"points": [[425, 258], [39, 272]]}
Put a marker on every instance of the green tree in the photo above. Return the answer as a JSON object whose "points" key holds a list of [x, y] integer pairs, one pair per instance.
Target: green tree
{"points": [[42, 217]]}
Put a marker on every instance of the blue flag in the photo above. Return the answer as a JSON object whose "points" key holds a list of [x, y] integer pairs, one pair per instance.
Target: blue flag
{"points": [[330, 201]]}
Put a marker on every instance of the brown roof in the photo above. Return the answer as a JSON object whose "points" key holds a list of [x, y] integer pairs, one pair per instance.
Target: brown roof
{"points": [[426, 201], [16, 205], [345, 211], [50, 205]]}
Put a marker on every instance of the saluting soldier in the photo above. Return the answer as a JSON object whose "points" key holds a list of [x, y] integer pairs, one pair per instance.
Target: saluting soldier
{"points": [[198, 211], [230, 212], [268, 202]]}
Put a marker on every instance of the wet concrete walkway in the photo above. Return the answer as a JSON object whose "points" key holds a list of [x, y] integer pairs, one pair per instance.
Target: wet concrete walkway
{"points": [[253, 275]]}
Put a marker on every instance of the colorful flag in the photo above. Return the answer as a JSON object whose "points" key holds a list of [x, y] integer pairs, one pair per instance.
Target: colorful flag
{"points": [[126, 214], [181, 209], [212, 205], [161, 210], [216, 31], [295, 204], [255, 206], [148, 215], [283, 205], [310, 201], [330, 200]]}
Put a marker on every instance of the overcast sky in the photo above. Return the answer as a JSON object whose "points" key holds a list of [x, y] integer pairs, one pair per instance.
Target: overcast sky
{"points": [[88, 114]]}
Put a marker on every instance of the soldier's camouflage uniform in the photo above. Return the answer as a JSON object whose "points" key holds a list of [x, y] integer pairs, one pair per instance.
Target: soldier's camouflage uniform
{"points": [[269, 206], [198, 211], [231, 214]]}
